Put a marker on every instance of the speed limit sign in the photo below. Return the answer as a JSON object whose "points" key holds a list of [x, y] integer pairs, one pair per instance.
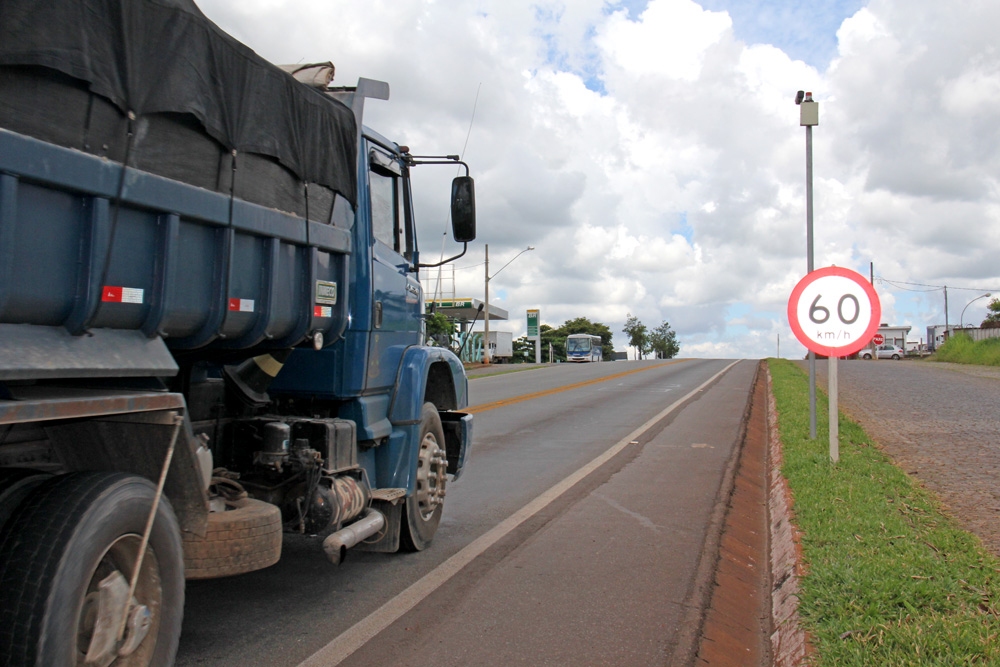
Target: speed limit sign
{"points": [[834, 311]]}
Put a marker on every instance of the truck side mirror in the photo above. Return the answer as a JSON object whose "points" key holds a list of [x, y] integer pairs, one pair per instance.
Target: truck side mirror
{"points": [[463, 209]]}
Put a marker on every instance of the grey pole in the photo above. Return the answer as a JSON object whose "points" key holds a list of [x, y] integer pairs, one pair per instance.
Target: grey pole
{"points": [[834, 404], [809, 269], [809, 116]]}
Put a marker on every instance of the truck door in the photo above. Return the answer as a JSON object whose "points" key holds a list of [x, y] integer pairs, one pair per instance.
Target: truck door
{"points": [[396, 292]]}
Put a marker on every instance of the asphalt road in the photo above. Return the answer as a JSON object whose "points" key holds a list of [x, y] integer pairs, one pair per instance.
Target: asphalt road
{"points": [[574, 537]]}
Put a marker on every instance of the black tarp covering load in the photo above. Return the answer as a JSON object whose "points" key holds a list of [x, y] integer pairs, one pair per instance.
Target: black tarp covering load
{"points": [[166, 62]]}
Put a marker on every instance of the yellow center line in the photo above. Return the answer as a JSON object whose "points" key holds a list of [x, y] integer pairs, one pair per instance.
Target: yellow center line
{"points": [[549, 392]]}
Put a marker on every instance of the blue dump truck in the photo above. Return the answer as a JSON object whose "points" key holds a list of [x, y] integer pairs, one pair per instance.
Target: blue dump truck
{"points": [[211, 325]]}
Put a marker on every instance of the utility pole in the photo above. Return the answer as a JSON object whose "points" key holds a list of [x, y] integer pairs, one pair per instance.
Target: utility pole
{"points": [[946, 313], [486, 322], [871, 279]]}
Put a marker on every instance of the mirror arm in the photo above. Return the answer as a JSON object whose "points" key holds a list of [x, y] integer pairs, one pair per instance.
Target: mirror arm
{"points": [[465, 246], [415, 160]]}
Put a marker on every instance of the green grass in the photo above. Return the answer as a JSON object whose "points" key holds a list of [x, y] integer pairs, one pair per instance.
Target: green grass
{"points": [[891, 580], [961, 349], [523, 367]]}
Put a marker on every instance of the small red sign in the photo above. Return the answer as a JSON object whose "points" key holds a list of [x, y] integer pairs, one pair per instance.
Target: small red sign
{"points": [[115, 294], [878, 339]]}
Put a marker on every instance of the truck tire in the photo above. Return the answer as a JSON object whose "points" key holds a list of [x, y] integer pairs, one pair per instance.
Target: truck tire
{"points": [[244, 538], [15, 484], [70, 534], [422, 512]]}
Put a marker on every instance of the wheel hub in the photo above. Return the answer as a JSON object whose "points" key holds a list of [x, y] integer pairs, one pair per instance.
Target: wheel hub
{"points": [[432, 471], [107, 604]]}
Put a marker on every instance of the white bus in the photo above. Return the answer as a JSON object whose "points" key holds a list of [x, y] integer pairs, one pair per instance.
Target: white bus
{"points": [[583, 347]]}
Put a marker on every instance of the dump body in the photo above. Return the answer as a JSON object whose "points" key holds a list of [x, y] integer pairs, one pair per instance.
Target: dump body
{"points": [[162, 259], [209, 308]]}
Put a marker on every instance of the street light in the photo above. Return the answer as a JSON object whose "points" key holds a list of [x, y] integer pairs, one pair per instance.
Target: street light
{"points": [[486, 338], [961, 320]]}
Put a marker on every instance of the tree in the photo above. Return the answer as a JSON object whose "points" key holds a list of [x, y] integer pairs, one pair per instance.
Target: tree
{"points": [[524, 351], [638, 337], [554, 338], [440, 329], [664, 342], [993, 317]]}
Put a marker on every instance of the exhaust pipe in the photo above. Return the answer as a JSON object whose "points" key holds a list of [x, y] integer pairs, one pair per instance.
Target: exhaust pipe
{"points": [[336, 544]]}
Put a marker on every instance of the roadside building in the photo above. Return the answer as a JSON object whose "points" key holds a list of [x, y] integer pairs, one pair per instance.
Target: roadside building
{"points": [[936, 335], [891, 335], [895, 335]]}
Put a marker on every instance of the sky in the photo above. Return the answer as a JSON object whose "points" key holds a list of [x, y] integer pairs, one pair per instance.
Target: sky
{"points": [[651, 153]]}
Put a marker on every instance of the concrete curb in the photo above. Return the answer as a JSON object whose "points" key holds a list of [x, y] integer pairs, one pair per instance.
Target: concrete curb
{"points": [[789, 642], [736, 625]]}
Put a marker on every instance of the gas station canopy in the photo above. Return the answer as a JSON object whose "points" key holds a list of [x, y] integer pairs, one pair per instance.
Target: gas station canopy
{"points": [[464, 310]]}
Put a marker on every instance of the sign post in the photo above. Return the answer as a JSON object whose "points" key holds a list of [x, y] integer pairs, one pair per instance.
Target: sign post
{"points": [[535, 334], [877, 340], [834, 312]]}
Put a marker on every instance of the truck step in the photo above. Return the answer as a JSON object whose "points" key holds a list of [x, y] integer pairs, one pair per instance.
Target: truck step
{"points": [[388, 495]]}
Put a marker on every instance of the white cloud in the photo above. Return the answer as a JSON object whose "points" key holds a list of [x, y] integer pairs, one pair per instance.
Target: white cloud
{"points": [[669, 39], [656, 162]]}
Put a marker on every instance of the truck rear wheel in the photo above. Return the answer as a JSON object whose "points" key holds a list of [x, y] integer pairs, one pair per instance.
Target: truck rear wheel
{"points": [[422, 513], [15, 485], [66, 553]]}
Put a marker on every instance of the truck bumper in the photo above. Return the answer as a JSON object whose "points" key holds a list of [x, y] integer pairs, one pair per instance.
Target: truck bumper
{"points": [[458, 439]]}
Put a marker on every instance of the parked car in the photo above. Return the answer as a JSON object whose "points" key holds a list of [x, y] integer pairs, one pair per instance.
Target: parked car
{"points": [[885, 351]]}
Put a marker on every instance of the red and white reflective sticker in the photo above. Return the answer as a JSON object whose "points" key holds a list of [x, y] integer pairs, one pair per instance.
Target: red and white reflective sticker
{"points": [[322, 311], [241, 305], [122, 294]]}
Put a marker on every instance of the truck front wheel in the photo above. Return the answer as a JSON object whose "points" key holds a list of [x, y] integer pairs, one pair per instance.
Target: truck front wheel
{"points": [[66, 561], [424, 506]]}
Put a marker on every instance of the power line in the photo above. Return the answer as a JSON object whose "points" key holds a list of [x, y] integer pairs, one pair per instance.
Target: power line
{"points": [[897, 284], [475, 104]]}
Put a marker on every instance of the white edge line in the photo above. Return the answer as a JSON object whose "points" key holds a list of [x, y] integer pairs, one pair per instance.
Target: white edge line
{"points": [[364, 630]]}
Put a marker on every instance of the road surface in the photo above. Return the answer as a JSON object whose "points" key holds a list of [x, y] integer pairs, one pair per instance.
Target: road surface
{"points": [[575, 535]]}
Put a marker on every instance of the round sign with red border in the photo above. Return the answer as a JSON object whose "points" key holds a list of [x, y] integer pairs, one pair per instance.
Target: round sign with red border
{"points": [[878, 339], [834, 311]]}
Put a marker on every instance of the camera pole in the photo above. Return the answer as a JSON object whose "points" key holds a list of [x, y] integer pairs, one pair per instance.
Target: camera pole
{"points": [[808, 117]]}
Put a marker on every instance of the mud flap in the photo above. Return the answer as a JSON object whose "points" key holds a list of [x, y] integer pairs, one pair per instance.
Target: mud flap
{"points": [[388, 540], [457, 428]]}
